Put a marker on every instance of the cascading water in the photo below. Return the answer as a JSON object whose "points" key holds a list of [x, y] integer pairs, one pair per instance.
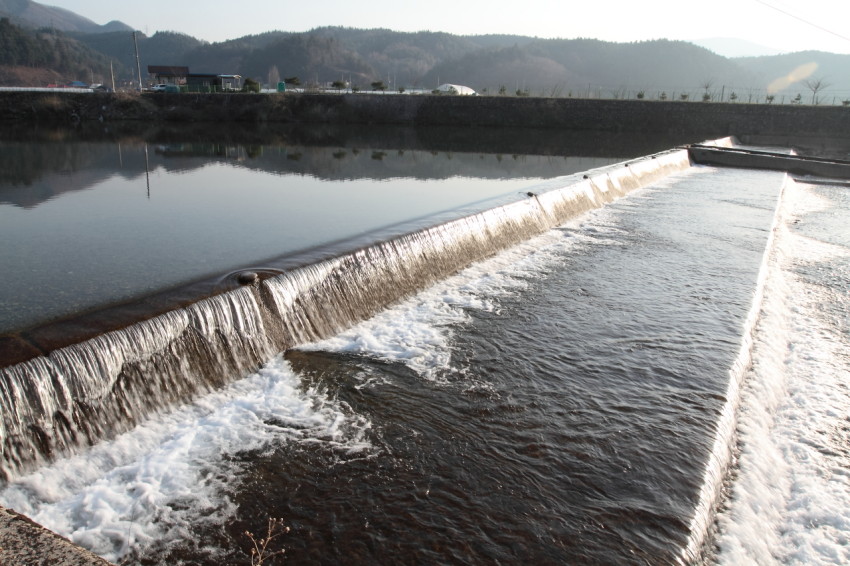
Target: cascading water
{"points": [[721, 452], [85, 392], [77, 395]]}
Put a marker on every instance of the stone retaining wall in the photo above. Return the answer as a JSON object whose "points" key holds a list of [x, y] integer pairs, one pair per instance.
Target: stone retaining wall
{"points": [[623, 116]]}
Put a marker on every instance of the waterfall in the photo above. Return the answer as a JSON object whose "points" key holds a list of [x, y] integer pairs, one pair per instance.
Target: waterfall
{"points": [[77, 395]]}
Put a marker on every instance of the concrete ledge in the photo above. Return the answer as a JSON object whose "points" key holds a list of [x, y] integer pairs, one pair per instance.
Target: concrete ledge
{"points": [[756, 159], [24, 542]]}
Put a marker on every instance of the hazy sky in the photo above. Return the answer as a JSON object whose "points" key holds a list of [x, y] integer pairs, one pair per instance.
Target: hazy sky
{"points": [[808, 24]]}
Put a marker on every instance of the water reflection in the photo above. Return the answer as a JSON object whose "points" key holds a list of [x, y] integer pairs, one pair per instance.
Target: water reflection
{"points": [[32, 173], [94, 218]]}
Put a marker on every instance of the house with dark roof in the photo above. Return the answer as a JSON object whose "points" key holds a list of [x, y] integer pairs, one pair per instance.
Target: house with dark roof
{"points": [[193, 82], [197, 82], [168, 74]]}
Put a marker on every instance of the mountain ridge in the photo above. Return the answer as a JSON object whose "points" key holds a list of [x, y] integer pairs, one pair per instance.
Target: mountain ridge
{"points": [[491, 64], [26, 13]]}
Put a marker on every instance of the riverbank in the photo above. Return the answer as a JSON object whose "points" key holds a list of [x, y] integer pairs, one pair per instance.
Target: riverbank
{"points": [[625, 116]]}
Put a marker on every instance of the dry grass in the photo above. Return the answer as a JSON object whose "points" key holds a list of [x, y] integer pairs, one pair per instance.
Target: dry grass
{"points": [[262, 550]]}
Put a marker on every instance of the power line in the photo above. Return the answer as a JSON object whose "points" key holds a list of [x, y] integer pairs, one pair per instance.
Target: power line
{"points": [[807, 22]]}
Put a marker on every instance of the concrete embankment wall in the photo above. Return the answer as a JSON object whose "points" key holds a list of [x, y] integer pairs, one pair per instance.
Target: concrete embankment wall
{"points": [[638, 116]]}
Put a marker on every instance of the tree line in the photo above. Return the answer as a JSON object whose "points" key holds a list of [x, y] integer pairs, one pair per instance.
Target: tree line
{"points": [[44, 48]]}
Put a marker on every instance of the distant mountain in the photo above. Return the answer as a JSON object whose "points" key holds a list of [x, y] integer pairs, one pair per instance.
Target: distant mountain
{"points": [[491, 64], [426, 59], [589, 67], [733, 47], [26, 13]]}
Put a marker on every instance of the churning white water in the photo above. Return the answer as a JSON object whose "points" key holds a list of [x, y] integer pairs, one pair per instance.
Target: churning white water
{"points": [[790, 494], [165, 478]]}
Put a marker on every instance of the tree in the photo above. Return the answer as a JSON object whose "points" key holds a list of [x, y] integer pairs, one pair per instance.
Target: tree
{"points": [[338, 84], [294, 81], [706, 85], [816, 84], [379, 85], [250, 85]]}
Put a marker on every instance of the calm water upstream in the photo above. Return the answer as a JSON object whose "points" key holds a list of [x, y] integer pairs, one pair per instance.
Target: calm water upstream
{"points": [[573, 400], [92, 224]]}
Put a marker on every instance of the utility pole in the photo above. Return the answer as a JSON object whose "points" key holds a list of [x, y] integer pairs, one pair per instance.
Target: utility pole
{"points": [[138, 64]]}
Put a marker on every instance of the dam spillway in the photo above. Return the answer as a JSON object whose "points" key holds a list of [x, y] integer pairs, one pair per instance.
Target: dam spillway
{"points": [[583, 406]]}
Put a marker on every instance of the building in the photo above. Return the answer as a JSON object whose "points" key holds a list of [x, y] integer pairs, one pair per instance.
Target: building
{"points": [[168, 74], [196, 82], [193, 82], [456, 89]]}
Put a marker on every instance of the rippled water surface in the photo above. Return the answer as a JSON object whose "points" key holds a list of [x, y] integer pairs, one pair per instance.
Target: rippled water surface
{"points": [[558, 403]]}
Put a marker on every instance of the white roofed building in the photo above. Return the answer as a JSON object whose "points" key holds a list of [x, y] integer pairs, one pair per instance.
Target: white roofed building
{"points": [[456, 89]]}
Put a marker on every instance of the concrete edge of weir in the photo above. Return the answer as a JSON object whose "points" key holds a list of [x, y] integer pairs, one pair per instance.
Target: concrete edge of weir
{"points": [[23, 542]]}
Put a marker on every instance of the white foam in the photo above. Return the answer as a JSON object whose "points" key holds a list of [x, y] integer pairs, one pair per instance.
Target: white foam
{"points": [[418, 331], [790, 503], [154, 482]]}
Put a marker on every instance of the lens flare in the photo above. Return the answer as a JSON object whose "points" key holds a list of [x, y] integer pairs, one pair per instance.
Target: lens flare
{"points": [[801, 73]]}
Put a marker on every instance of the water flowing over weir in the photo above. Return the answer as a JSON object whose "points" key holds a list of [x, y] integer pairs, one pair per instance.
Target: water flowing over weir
{"points": [[77, 395]]}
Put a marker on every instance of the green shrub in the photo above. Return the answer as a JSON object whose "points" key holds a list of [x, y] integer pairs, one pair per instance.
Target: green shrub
{"points": [[250, 85]]}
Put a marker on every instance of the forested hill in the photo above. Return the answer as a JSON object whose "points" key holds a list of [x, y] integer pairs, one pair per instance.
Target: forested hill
{"points": [[38, 58], [427, 59], [490, 64], [831, 69], [28, 14], [586, 66]]}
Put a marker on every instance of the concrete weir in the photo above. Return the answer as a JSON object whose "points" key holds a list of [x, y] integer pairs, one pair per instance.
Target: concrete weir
{"points": [[26, 543], [57, 401], [759, 159]]}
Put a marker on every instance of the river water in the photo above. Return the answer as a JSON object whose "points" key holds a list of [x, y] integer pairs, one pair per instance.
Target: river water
{"points": [[586, 397]]}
